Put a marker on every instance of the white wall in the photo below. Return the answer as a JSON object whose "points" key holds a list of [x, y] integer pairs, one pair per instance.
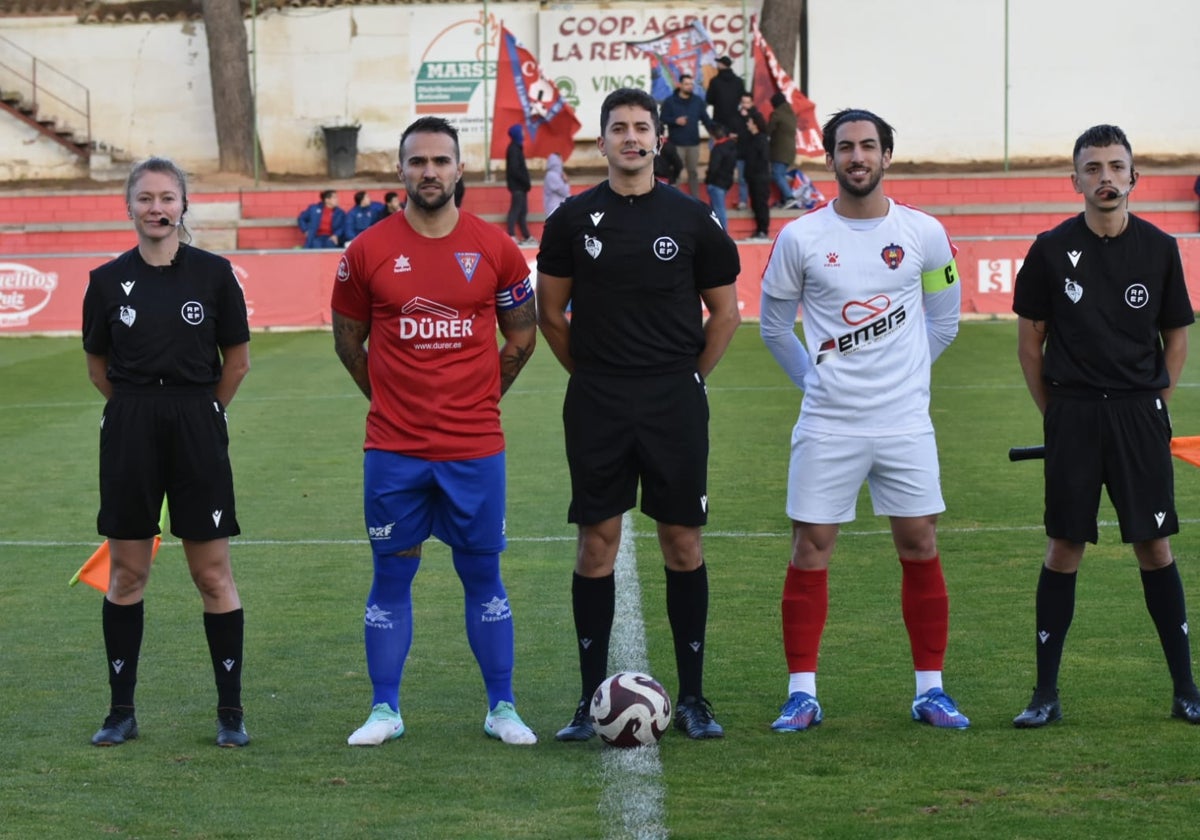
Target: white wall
{"points": [[935, 69], [26, 150]]}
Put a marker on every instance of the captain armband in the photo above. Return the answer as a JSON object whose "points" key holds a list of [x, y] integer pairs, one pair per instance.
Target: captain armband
{"points": [[939, 278], [514, 295]]}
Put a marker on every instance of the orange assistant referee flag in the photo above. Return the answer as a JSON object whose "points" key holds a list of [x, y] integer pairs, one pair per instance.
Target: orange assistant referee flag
{"points": [[95, 571]]}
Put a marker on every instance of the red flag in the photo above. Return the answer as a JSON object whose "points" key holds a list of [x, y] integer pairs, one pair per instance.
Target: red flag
{"points": [[769, 77], [525, 97]]}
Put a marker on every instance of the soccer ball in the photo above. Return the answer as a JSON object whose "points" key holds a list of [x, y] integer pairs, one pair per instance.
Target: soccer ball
{"points": [[631, 709]]}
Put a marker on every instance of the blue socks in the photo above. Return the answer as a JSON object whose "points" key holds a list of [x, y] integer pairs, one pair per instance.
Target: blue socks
{"points": [[489, 622], [388, 625]]}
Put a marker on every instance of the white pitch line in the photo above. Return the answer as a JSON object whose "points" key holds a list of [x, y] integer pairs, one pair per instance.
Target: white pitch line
{"points": [[631, 803]]}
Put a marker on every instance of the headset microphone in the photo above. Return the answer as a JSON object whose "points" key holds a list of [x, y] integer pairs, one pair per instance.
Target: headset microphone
{"points": [[164, 222], [643, 152]]}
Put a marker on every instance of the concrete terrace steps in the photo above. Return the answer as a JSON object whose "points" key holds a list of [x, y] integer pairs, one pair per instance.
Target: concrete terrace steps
{"points": [[263, 218]]}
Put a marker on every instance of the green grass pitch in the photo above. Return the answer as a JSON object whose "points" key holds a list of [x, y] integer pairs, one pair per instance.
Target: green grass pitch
{"points": [[1117, 765]]}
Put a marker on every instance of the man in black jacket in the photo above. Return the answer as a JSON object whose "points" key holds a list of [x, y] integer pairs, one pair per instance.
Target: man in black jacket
{"points": [[516, 178], [724, 93]]}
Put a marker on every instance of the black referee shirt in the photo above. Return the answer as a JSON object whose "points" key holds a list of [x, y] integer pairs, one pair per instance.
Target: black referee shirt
{"points": [[1105, 301], [163, 325], [637, 264]]}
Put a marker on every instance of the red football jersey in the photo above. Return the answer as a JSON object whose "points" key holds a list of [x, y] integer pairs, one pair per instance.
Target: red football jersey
{"points": [[432, 354]]}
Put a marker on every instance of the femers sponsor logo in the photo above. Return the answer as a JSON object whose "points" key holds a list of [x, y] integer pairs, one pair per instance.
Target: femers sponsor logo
{"points": [[24, 291], [865, 335]]}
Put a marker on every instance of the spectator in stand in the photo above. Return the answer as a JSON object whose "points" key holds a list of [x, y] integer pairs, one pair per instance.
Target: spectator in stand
{"points": [[362, 215], [391, 204], [667, 162], [555, 186], [322, 222], [724, 94], [516, 178], [722, 160], [682, 113], [739, 130], [758, 176], [781, 131]]}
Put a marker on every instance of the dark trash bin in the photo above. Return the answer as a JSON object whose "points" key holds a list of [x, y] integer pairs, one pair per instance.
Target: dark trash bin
{"points": [[341, 149]]}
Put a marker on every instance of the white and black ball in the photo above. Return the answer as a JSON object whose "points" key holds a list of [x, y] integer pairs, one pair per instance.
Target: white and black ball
{"points": [[631, 709]]}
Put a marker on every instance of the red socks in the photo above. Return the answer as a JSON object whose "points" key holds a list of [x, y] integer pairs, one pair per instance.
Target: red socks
{"points": [[926, 610], [805, 608]]}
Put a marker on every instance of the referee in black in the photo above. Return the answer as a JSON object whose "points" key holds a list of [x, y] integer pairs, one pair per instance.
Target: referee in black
{"points": [[1102, 338], [634, 259], [167, 344]]}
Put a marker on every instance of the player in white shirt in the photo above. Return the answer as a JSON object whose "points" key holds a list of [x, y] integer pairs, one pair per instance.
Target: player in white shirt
{"points": [[878, 287]]}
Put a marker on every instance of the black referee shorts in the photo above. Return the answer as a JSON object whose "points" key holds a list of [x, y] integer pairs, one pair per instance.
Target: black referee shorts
{"points": [[165, 441], [1121, 443], [624, 429]]}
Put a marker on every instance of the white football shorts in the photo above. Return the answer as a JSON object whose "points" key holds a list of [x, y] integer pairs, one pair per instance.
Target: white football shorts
{"points": [[826, 473]]}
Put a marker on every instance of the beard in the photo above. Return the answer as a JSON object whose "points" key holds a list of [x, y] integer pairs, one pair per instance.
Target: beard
{"points": [[858, 190], [423, 203]]}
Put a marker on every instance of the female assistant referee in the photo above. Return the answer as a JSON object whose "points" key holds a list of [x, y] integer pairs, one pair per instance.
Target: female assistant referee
{"points": [[167, 344]]}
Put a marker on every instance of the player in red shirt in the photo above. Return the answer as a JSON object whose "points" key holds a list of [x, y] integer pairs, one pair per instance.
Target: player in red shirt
{"points": [[426, 289]]}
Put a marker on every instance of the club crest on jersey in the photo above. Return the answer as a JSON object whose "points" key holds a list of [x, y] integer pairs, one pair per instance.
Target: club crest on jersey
{"points": [[128, 315], [1073, 290], [665, 248], [892, 255], [592, 245], [468, 263], [343, 270]]}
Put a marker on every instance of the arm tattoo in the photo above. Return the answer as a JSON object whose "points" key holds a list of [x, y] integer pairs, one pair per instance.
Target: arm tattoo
{"points": [[521, 318], [519, 327], [349, 341], [511, 362]]}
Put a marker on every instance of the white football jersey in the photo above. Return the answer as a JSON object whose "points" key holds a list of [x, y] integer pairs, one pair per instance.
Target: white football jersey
{"points": [[860, 286]]}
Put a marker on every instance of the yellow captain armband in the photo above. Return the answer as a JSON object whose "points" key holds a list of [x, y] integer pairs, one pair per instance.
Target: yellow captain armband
{"points": [[940, 278]]}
